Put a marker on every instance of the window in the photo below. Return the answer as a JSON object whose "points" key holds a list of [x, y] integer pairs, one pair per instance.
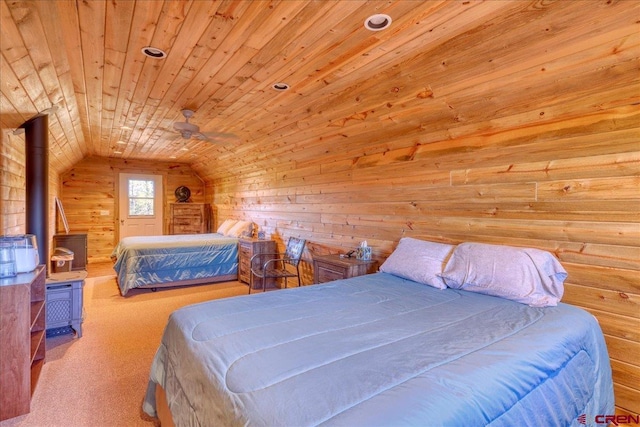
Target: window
{"points": [[141, 197]]}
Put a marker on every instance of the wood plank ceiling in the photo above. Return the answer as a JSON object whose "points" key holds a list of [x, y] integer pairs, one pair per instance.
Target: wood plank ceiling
{"points": [[441, 70]]}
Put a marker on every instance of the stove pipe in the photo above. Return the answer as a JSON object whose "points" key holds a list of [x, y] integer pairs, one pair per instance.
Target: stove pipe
{"points": [[37, 182]]}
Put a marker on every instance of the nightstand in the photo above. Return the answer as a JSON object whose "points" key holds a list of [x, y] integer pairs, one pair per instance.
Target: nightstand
{"points": [[248, 248], [332, 267]]}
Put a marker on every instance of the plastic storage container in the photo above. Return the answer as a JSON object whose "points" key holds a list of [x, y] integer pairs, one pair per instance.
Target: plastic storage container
{"points": [[27, 258], [61, 260], [7, 257]]}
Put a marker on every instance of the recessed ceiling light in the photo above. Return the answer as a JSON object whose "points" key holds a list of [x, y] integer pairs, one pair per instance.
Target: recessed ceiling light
{"points": [[117, 152], [280, 86], [154, 52], [121, 142], [377, 22]]}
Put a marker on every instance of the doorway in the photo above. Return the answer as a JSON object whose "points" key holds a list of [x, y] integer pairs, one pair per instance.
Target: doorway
{"points": [[140, 205]]}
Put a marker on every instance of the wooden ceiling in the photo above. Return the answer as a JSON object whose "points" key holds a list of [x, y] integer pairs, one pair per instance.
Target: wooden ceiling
{"points": [[442, 70]]}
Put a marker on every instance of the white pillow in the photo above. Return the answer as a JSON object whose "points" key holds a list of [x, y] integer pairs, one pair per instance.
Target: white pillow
{"points": [[226, 226], [529, 276], [418, 260], [241, 228]]}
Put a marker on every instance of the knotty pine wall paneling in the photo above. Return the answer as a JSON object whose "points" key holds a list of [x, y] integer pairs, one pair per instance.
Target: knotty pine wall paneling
{"points": [[90, 196], [569, 186], [13, 187]]}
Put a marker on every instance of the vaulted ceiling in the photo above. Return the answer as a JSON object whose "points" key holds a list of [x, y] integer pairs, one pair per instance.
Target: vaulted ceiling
{"points": [[442, 69]]}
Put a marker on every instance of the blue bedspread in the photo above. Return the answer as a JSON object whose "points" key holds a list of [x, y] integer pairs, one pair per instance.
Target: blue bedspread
{"points": [[155, 260], [381, 350]]}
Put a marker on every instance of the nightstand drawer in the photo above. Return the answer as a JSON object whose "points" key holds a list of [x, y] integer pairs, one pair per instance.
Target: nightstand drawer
{"points": [[327, 274]]}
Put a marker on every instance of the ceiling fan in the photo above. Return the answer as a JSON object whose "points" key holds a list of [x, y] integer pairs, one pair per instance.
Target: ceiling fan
{"points": [[189, 130]]}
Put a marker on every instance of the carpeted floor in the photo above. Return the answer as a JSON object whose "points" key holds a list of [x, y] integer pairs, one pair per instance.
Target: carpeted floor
{"points": [[100, 379]]}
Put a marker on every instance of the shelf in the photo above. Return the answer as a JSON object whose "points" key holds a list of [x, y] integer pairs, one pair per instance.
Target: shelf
{"points": [[36, 344], [36, 368], [36, 310], [22, 323]]}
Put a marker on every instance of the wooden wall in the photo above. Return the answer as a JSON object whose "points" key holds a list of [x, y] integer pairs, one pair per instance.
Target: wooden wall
{"points": [[12, 187], [89, 195], [568, 186]]}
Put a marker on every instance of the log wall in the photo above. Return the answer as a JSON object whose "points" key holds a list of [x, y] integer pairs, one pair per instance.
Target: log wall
{"points": [[90, 193], [570, 187]]}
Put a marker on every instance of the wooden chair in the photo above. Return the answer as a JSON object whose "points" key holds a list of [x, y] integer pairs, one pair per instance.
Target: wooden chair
{"points": [[274, 266]]}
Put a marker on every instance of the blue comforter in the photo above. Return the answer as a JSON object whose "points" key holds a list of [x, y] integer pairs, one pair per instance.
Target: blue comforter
{"points": [[145, 261], [380, 350]]}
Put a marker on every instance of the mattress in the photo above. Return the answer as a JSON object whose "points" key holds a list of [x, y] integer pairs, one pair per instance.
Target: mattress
{"points": [[380, 350], [150, 261]]}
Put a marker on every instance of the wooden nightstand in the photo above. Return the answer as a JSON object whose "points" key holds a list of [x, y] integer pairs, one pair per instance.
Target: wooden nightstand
{"points": [[331, 267], [248, 248]]}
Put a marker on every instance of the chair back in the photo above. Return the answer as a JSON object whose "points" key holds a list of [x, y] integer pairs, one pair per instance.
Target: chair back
{"points": [[294, 250]]}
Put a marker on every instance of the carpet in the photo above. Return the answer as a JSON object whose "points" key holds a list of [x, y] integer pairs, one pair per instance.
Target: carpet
{"points": [[101, 378]]}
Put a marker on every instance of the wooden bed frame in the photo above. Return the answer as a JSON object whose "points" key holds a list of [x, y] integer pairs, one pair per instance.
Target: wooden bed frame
{"points": [[162, 408], [191, 282]]}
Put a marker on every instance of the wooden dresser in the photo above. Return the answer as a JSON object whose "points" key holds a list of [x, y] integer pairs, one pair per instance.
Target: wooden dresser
{"points": [[327, 268], [248, 248], [189, 218], [22, 338]]}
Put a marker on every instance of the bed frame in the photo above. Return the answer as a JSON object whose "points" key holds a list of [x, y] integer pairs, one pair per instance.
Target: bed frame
{"points": [[192, 282], [162, 408]]}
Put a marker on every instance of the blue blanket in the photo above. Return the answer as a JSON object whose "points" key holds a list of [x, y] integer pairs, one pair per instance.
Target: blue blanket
{"points": [[380, 350], [146, 261]]}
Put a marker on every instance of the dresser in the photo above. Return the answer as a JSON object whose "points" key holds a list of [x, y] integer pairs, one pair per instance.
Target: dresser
{"points": [[189, 218], [247, 248], [22, 338], [332, 267]]}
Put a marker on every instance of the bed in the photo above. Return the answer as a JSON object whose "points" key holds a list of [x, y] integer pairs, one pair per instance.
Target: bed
{"points": [[384, 349], [175, 260]]}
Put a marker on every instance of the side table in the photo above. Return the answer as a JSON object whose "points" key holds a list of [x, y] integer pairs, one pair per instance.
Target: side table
{"points": [[332, 267], [248, 248]]}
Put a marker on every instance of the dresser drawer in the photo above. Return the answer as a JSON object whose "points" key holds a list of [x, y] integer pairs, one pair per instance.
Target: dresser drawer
{"points": [[186, 210], [188, 220], [185, 229]]}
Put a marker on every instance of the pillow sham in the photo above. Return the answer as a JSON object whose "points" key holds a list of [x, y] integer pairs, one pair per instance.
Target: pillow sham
{"points": [[226, 226], [418, 260], [526, 275], [241, 228]]}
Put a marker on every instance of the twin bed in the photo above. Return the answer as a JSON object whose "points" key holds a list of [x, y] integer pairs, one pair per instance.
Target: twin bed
{"points": [[176, 260], [483, 341], [150, 262]]}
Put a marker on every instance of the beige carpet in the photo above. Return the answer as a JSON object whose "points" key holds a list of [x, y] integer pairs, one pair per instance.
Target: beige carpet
{"points": [[100, 379]]}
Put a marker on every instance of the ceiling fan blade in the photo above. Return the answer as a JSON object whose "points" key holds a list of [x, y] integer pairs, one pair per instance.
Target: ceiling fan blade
{"points": [[216, 136]]}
